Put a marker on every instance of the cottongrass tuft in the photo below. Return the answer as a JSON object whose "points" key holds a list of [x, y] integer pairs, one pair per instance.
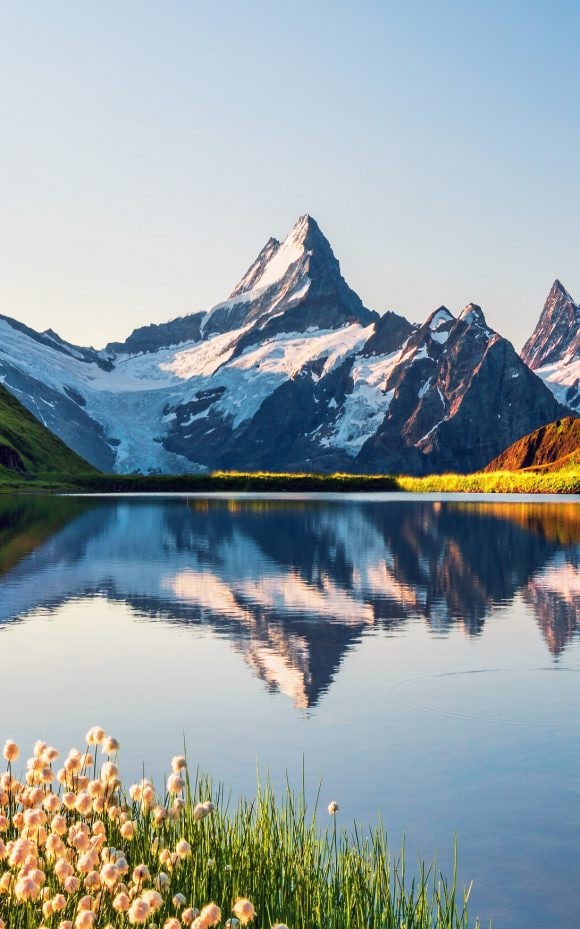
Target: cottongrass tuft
{"points": [[79, 851]]}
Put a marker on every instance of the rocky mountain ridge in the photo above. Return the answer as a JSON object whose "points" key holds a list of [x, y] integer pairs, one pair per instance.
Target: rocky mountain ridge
{"points": [[553, 349], [292, 372]]}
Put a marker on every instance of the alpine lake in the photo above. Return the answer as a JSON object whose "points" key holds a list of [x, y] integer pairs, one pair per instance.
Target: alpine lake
{"points": [[415, 659]]}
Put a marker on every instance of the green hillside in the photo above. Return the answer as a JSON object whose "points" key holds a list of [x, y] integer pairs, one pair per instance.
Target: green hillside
{"points": [[29, 450]]}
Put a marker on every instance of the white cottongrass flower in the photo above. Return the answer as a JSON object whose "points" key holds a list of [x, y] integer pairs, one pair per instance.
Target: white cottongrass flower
{"points": [[183, 849], [201, 810], [11, 751], [178, 763], [172, 923], [187, 916], [138, 911], [210, 915], [333, 807], [95, 735], [244, 910], [175, 784]]}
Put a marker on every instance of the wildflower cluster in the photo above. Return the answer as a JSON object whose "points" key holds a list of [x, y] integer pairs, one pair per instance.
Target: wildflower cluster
{"points": [[77, 853]]}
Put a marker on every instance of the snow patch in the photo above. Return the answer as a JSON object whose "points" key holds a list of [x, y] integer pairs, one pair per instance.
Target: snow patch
{"points": [[560, 378], [440, 318], [204, 358], [366, 406]]}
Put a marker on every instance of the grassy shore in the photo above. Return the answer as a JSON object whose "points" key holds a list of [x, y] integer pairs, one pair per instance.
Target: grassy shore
{"points": [[565, 481], [532, 481], [78, 851]]}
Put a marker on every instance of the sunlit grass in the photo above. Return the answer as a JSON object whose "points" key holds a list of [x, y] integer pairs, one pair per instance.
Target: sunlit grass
{"points": [[78, 851], [565, 481]]}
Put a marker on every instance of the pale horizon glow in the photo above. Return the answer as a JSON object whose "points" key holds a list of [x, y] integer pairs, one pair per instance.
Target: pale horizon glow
{"points": [[150, 150]]}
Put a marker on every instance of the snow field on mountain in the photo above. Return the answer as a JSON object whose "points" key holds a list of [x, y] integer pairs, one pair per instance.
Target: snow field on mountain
{"points": [[202, 359], [365, 408], [260, 370], [560, 376]]}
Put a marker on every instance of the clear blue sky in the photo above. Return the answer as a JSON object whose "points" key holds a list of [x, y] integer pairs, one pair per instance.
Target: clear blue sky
{"points": [[149, 149]]}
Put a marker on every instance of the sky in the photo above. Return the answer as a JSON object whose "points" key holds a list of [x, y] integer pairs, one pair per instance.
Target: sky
{"points": [[150, 149]]}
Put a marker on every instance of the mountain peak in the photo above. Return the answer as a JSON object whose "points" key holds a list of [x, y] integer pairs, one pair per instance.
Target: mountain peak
{"points": [[557, 332], [472, 314], [558, 290], [303, 226], [439, 317], [275, 259], [308, 233]]}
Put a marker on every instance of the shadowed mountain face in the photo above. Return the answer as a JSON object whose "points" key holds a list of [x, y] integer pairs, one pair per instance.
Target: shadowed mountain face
{"points": [[294, 585]]}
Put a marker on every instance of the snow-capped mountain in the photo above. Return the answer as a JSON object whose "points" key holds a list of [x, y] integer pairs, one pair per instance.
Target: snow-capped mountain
{"points": [[292, 371], [293, 286], [553, 349]]}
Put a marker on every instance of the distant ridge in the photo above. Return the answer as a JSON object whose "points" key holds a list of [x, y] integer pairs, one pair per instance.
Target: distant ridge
{"points": [[553, 446]]}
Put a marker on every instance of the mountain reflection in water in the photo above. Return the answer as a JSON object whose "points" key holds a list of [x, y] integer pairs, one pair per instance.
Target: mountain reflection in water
{"points": [[292, 583]]}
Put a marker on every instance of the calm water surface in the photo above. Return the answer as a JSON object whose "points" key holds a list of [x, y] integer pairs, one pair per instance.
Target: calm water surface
{"points": [[422, 656]]}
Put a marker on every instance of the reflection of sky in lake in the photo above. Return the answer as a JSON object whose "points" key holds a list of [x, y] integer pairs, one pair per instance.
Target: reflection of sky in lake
{"points": [[357, 623]]}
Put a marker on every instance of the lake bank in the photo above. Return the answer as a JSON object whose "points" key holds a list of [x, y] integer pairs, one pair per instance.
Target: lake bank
{"points": [[566, 481]]}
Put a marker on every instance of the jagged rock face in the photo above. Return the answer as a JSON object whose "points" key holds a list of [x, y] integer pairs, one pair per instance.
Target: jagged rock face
{"points": [[458, 389], [390, 330], [291, 372], [152, 338], [557, 334], [553, 350]]}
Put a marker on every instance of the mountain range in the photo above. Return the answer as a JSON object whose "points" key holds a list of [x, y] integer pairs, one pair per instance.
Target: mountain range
{"points": [[293, 372]]}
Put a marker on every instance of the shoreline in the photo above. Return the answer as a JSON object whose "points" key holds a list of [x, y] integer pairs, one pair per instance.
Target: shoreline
{"points": [[557, 483]]}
